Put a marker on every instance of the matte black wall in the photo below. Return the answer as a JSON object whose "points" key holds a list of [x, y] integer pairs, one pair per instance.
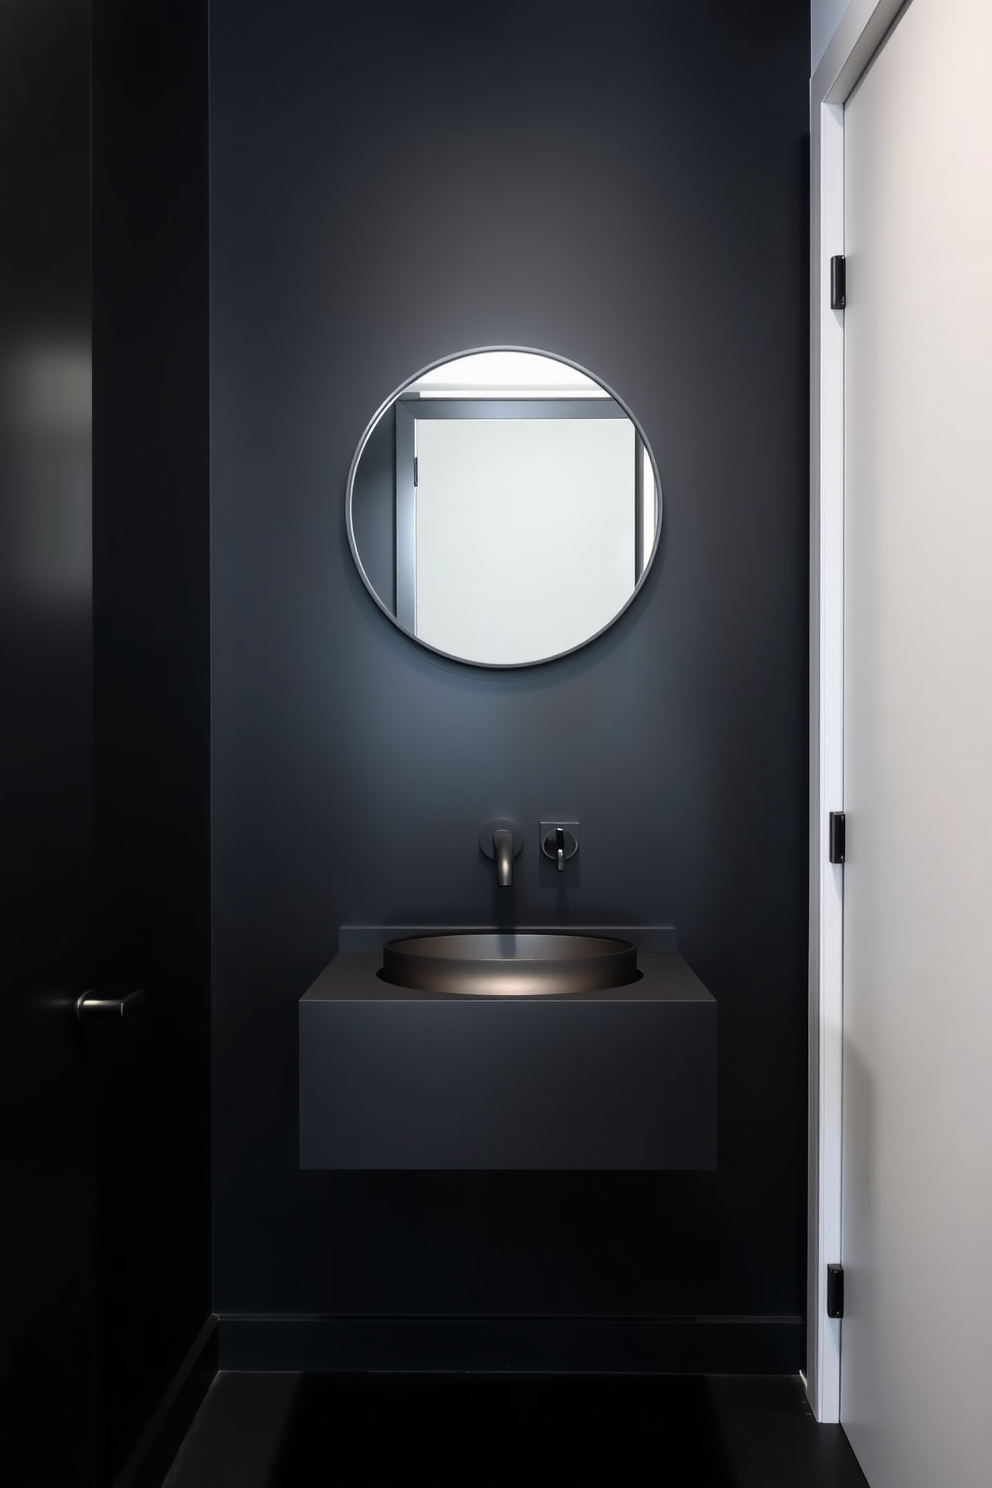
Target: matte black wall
{"points": [[626, 188]]}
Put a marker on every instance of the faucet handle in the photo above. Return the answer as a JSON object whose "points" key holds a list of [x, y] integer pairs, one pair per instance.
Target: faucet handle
{"points": [[559, 842]]}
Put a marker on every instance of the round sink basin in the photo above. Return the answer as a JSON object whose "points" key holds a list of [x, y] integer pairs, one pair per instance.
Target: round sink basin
{"points": [[509, 964]]}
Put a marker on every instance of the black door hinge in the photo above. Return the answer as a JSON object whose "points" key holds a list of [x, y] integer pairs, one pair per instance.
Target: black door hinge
{"points": [[838, 836], [835, 1291], [838, 282]]}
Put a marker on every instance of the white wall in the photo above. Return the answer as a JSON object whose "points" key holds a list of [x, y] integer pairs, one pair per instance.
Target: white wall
{"points": [[823, 17]]}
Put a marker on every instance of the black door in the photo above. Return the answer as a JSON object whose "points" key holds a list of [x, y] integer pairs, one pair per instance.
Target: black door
{"points": [[104, 1122]]}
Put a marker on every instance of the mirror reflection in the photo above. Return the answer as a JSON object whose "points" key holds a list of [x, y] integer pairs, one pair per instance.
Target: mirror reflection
{"points": [[503, 508]]}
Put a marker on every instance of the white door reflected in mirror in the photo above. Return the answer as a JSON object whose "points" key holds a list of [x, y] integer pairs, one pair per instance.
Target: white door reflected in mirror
{"points": [[503, 508]]}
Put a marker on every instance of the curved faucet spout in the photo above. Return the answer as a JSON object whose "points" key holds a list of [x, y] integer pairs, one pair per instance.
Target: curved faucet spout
{"points": [[503, 853]]}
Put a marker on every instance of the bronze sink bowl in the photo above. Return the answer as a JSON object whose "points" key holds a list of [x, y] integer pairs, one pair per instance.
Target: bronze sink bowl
{"points": [[509, 963]]}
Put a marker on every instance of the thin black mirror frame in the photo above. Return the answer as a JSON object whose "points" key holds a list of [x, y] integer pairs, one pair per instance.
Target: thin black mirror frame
{"points": [[501, 666]]}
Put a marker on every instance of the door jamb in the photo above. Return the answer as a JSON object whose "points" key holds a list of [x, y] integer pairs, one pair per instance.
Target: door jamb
{"points": [[860, 32]]}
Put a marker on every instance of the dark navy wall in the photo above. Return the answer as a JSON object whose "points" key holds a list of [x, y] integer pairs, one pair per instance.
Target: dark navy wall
{"points": [[390, 185]]}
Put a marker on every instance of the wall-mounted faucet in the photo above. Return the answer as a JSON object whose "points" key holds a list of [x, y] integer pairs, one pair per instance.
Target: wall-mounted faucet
{"points": [[503, 849], [502, 841]]}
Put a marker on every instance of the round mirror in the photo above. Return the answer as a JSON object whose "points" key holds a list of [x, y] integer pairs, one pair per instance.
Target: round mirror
{"points": [[503, 507]]}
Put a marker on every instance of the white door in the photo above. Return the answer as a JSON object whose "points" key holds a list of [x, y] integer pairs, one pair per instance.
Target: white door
{"points": [[917, 1071], [525, 533]]}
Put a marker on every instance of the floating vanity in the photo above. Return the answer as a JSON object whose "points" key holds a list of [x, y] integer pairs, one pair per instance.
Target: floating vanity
{"points": [[409, 1077]]}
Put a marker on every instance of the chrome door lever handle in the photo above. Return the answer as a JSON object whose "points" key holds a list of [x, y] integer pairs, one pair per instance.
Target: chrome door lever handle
{"points": [[91, 1006]]}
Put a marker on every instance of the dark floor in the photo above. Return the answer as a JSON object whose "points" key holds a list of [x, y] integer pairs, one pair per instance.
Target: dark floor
{"points": [[301, 1431]]}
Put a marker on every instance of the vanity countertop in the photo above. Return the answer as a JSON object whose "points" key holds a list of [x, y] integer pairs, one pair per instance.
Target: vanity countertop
{"points": [[352, 976]]}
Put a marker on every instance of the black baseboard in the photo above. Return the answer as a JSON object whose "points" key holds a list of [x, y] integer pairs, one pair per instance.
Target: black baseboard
{"points": [[158, 1444], [703, 1345]]}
